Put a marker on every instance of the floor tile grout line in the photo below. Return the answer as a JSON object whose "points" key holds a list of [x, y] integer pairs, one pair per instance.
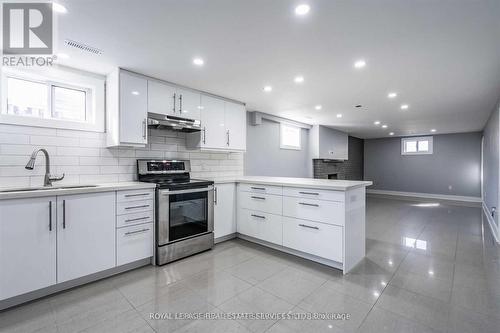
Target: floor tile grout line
{"points": [[134, 308]]}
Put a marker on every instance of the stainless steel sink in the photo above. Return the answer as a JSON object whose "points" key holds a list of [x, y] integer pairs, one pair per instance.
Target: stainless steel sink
{"points": [[27, 189]]}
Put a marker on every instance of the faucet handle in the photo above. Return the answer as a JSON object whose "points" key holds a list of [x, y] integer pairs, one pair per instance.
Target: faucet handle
{"points": [[56, 178]]}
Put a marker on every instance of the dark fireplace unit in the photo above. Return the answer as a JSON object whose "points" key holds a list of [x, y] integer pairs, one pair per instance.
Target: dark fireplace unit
{"points": [[333, 176]]}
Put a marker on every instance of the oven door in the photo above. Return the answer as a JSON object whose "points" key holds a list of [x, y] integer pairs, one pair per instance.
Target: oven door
{"points": [[184, 214]]}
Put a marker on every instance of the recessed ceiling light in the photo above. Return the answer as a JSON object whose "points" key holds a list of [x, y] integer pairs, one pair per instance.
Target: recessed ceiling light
{"points": [[298, 79], [376, 123], [62, 56], [59, 8], [200, 107], [339, 115], [384, 126], [360, 64], [318, 107], [268, 88], [135, 92], [198, 61], [433, 130], [391, 134], [302, 9], [404, 107], [392, 95]]}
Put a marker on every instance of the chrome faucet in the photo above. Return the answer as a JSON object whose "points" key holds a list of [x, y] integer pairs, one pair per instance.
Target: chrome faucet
{"points": [[48, 177]]}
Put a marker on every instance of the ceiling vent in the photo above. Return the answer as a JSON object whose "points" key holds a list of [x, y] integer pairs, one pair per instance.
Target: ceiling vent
{"points": [[82, 47]]}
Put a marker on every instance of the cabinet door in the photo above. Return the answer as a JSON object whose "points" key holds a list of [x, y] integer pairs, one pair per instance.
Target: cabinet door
{"points": [[133, 108], [189, 104], [27, 245], [236, 126], [161, 98], [85, 234], [224, 210], [212, 122]]}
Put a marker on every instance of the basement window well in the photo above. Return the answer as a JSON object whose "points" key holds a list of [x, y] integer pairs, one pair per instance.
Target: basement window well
{"points": [[289, 137], [417, 146]]}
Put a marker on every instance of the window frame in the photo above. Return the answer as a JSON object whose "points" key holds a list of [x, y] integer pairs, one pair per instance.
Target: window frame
{"points": [[93, 85], [429, 139], [284, 146]]}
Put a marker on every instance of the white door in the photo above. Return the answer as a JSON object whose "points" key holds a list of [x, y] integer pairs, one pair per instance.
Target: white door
{"points": [[133, 108], [236, 125], [212, 123], [224, 210], [189, 105], [85, 235], [161, 98], [27, 245]]}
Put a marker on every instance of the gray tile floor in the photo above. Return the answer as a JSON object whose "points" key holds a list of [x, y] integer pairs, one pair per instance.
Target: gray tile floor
{"points": [[427, 269]]}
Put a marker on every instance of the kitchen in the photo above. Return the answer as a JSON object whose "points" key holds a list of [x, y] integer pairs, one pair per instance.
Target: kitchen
{"points": [[157, 181]]}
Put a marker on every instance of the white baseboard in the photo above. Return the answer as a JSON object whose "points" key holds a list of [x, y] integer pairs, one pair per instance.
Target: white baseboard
{"points": [[492, 223], [426, 195]]}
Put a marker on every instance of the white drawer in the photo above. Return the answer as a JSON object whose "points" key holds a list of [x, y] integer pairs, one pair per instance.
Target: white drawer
{"points": [[134, 243], [134, 207], [258, 188], [261, 202], [133, 219], [330, 212], [264, 226], [124, 196], [314, 194], [319, 239]]}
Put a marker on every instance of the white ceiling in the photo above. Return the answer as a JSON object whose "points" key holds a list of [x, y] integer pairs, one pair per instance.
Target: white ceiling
{"points": [[442, 57]]}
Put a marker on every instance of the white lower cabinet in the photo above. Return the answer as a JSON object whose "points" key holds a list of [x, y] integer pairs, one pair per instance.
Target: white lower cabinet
{"points": [[331, 212], [319, 239], [264, 226], [134, 243], [86, 234], [224, 210], [27, 245]]}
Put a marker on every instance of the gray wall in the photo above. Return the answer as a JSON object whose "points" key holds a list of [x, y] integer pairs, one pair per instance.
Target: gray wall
{"points": [[490, 161], [456, 162], [265, 158]]}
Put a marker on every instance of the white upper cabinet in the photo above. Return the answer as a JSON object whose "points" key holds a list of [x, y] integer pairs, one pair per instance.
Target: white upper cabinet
{"points": [[127, 109], [161, 98], [189, 104], [235, 121], [27, 245]]}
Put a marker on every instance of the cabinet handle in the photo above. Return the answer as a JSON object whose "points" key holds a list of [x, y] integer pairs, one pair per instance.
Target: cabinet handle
{"points": [[144, 129], [204, 135], [215, 195], [309, 193], [259, 216], [175, 96], [135, 207], [260, 198], [180, 103], [64, 214], [258, 188], [135, 195], [308, 204], [135, 232], [308, 226], [227, 134], [50, 215], [137, 219]]}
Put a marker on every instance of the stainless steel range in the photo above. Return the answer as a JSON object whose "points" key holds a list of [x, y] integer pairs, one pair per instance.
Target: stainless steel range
{"points": [[184, 209]]}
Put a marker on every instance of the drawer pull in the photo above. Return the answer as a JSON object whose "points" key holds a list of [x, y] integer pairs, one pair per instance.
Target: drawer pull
{"points": [[137, 219], [309, 193], [135, 232], [135, 195], [259, 216], [308, 226], [259, 198], [308, 204], [135, 207], [258, 188]]}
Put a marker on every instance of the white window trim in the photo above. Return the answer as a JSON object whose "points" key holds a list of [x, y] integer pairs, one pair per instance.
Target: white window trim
{"points": [[282, 146], [64, 77], [430, 139]]}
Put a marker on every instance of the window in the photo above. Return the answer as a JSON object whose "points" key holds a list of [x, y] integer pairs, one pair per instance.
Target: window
{"points": [[417, 146], [289, 137], [58, 99]]}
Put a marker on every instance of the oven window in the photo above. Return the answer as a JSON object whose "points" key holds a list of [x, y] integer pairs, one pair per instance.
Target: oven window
{"points": [[188, 215]]}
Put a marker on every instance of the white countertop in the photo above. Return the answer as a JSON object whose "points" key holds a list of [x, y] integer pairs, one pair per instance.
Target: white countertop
{"points": [[327, 184], [105, 187]]}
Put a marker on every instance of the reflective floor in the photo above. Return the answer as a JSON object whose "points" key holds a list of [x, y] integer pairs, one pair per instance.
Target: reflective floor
{"points": [[429, 268]]}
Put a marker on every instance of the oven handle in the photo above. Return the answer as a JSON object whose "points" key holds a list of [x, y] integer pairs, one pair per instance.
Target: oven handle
{"points": [[203, 189]]}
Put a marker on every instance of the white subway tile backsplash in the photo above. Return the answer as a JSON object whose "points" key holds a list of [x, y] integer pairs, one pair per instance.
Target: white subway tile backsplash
{"points": [[84, 158]]}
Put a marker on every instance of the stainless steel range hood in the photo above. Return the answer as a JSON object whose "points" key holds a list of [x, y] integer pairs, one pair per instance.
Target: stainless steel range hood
{"points": [[161, 121]]}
